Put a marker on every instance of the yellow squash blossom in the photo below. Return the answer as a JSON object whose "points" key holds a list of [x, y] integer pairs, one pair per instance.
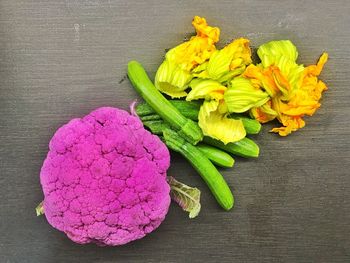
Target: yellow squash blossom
{"points": [[228, 62], [217, 125], [198, 49], [305, 100], [174, 74], [242, 95], [213, 114], [294, 90], [264, 113], [206, 89], [172, 79]]}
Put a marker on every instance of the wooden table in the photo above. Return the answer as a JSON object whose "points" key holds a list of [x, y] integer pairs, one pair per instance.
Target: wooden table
{"points": [[62, 59]]}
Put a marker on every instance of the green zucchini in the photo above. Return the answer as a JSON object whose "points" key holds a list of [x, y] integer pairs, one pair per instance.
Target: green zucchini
{"points": [[216, 155], [245, 147], [189, 109], [156, 126], [144, 86], [143, 109], [203, 166], [151, 117]]}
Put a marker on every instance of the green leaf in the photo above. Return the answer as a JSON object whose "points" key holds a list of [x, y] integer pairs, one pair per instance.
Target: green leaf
{"points": [[188, 198], [40, 209]]}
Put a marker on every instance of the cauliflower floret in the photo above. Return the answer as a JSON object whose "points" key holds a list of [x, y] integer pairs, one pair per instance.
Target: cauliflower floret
{"points": [[104, 179]]}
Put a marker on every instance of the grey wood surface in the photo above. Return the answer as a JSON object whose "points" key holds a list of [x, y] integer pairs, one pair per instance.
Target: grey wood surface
{"points": [[62, 59]]}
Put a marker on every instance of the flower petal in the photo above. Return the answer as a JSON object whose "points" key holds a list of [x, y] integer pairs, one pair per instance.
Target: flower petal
{"points": [[172, 80], [203, 30], [262, 78], [198, 49], [235, 55], [206, 89], [269, 53], [315, 70], [291, 124], [217, 125], [263, 113], [174, 73], [242, 95]]}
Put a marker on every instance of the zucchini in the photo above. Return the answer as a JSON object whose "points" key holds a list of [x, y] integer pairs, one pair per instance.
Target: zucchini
{"points": [[151, 117], [203, 166], [216, 155], [245, 147], [156, 126], [143, 109], [143, 85], [189, 109]]}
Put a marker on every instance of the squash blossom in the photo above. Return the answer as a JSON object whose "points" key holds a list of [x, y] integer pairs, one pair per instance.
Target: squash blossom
{"points": [[213, 114], [174, 74], [217, 125], [224, 92], [226, 63], [294, 90], [241, 95]]}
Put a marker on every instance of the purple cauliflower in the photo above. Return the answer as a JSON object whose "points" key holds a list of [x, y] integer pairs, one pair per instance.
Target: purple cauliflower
{"points": [[104, 179]]}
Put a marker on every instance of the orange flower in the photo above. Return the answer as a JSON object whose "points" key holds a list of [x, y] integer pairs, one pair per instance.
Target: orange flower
{"points": [[198, 49], [175, 73], [294, 90]]}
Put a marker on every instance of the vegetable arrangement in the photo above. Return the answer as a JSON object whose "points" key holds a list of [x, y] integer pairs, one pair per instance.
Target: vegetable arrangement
{"points": [[104, 178], [227, 96]]}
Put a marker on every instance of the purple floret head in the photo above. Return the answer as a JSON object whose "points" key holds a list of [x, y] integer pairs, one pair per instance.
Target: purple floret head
{"points": [[104, 179]]}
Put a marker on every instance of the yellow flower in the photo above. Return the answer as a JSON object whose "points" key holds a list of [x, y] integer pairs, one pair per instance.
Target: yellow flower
{"points": [[217, 125], [228, 62], [271, 79], [270, 53], [198, 49], [242, 95], [305, 100], [174, 75], [213, 113], [294, 90], [264, 113], [172, 79], [206, 89]]}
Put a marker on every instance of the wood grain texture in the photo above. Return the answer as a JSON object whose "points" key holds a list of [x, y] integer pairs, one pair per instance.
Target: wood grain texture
{"points": [[62, 59]]}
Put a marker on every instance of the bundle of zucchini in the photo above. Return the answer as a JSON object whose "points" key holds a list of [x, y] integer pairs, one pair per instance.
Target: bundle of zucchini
{"points": [[175, 121]]}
